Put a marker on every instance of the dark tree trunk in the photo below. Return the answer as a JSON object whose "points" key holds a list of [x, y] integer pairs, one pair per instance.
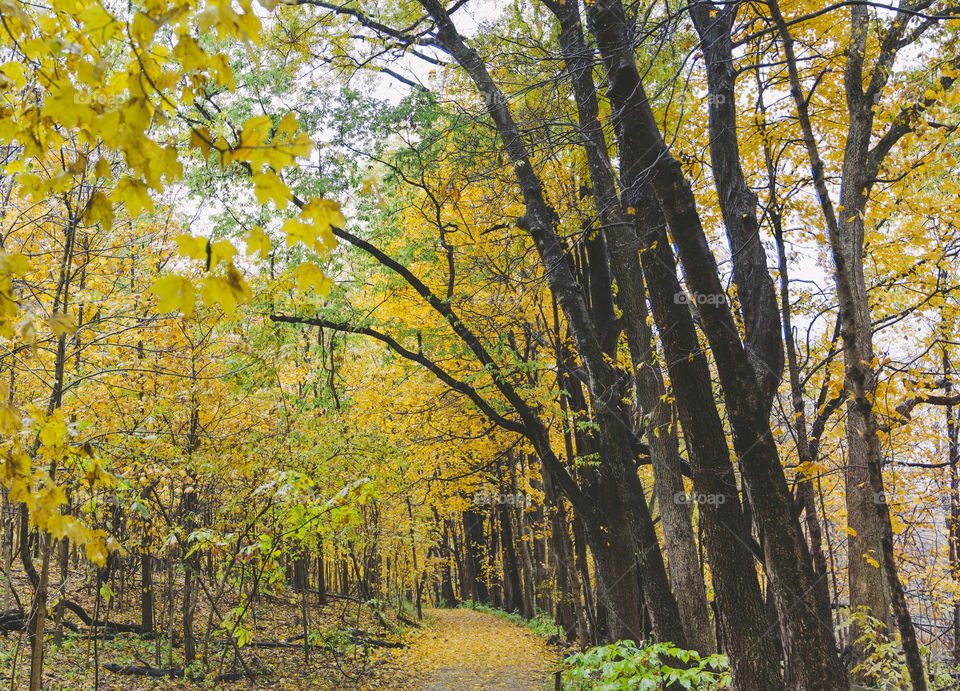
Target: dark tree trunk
{"points": [[496, 582], [594, 334], [644, 156], [446, 577], [726, 533], [146, 594], [868, 514], [567, 598], [953, 519], [473, 541], [512, 587], [321, 577]]}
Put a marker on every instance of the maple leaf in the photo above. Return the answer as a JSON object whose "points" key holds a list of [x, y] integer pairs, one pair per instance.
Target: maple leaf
{"points": [[61, 324], [228, 291], [310, 276], [192, 246], [176, 293], [257, 241], [100, 208], [268, 186], [134, 194]]}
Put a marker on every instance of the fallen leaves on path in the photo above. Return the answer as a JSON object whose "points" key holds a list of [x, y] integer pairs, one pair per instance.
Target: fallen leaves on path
{"points": [[461, 650]]}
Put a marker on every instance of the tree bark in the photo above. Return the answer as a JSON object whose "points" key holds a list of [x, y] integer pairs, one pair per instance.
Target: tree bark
{"points": [[473, 541], [742, 621], [868, 514], [644, 156]]}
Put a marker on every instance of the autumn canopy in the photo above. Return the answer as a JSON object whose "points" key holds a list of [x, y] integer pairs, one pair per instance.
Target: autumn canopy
{"points": [[633, 321]]}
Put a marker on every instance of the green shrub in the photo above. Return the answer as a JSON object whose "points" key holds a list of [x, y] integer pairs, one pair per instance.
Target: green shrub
{"points": [[541, 624], [622, 666], [883, 662]]}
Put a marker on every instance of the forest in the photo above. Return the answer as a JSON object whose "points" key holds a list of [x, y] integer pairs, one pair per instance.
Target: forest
{"points": [[476, 344]]}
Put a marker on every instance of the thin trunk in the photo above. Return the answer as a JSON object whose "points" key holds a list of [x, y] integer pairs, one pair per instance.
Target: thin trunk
{"points": [[805, 489], [871, 539], [38, 613], [953, 520], [682, 562]]}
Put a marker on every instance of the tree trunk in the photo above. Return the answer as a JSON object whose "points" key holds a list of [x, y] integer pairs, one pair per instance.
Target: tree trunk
{"points": [[38, 615], [953, 519], [146, 593], [681, 551], [742, 622], [645, 157], [867, 510], [569, 611], [473, 541], [512, 588]]}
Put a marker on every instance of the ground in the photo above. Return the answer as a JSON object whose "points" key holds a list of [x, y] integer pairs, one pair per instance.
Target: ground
{"points": [[463, 650], [456, 650]]}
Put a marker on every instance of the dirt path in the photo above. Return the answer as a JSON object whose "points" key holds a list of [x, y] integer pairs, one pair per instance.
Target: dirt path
{"points": [[464, 650]]}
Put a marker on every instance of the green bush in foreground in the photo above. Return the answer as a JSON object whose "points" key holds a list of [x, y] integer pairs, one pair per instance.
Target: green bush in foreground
{"points": [[622, 666]]}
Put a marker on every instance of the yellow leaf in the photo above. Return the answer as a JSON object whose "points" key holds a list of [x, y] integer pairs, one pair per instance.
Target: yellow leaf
{"points": [[98, 23], [190, 54], [13, 262], [267, 186], [324, 212], [100, 209], [221, 251], [175, 293], [227, 291], [254, 134], [13, 71], [192, 246], [143, 29], [62, 324], [9, 419], [96, 550], [297, 231], [207, 18], [102, 168], [53, 434], [16, 463], [222, 71], [28, 332], [96, 476], [200, 138], [32, 185], [134, 194], [288, 125], [257, 241], [310, 276]]}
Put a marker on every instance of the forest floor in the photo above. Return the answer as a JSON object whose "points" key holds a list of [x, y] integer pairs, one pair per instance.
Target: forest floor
{"points": [[455, 649], [464, 650]]}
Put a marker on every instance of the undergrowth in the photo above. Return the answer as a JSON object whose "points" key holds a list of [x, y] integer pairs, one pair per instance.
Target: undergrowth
{"points": [[541, 624]]}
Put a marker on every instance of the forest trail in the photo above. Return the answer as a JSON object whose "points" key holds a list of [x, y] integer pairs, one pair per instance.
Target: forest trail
{"points": [[463, 650]]}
